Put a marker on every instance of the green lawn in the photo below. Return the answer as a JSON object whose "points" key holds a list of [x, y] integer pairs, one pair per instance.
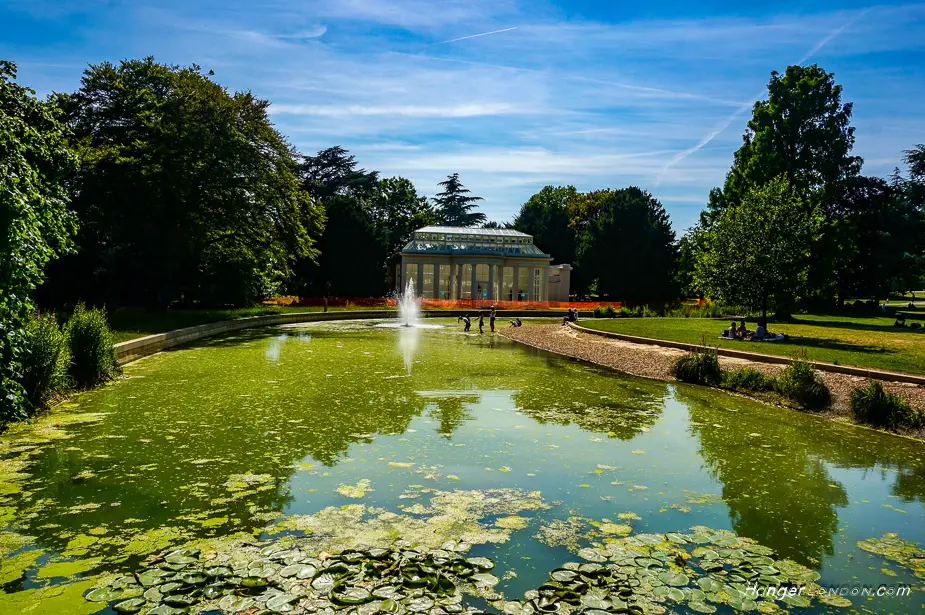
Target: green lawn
{"points": [[863, 342], [130, 323]]}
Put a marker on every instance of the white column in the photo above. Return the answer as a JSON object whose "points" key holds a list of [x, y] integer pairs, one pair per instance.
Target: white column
{"points": [[530, 283], [544, 287], [472, 291], [491, 281], [403, 278], [419, 283], [459, 281], [436, 280], [501, 281], [515, 287]]}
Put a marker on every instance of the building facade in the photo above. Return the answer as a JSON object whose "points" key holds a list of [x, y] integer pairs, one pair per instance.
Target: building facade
{"points": [[445, 262]]}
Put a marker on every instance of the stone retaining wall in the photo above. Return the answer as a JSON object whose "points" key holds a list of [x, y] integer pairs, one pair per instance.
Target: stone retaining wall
{"points": [[129, 351], [761, 358]]}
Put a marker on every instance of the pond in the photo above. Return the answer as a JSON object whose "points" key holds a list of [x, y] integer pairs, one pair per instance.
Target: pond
{"points": [[354, 434]]}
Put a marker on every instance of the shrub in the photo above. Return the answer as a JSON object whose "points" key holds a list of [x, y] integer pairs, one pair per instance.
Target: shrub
{"points": [[598, 312], [45, 359], [875, 406], [609, 312], [748, 379], [700, 366], [626, 312], [800, 383], [93, 359]]}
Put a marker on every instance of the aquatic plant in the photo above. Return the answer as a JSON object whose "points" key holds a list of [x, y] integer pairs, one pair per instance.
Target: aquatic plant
{"points": [[44, 360], [892, 547], [700, 366], [875, 406], [700, 569], [748, 379], [800, 383], [93, 360]]}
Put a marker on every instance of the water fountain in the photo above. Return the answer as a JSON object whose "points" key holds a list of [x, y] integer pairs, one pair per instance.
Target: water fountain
{"points": [[409, 312]]}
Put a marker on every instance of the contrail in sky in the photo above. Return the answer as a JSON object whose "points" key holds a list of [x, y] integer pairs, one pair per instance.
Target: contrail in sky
{"points": [[722, 126], [462, 38]]}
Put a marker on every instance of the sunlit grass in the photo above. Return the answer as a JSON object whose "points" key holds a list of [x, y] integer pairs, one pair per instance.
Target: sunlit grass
{"points": [[864, 342]]}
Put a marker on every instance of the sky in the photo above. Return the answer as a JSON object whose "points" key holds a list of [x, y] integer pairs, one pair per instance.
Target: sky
{"points": [[511, 95]]}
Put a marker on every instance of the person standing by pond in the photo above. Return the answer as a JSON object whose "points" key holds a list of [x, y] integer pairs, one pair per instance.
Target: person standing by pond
{"points": [[491, 319], [466, 322], [481, 322]]}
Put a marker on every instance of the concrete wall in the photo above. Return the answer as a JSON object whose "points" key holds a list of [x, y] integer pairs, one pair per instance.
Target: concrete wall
{"points": [[129, 351]]}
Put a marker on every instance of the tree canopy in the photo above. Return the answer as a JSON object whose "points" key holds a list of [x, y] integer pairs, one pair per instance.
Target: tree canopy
{"points": [[454, 206], [35, 224], [757, 252], [187, 192], [625, 245], [545, 216]]}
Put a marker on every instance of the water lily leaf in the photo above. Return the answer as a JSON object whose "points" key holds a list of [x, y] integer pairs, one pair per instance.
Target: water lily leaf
{"points": [[254, 582], [562, 575], [234, 604], [796, 600], [218, 571], [675, 579], [182, 557], [709, 585], [132, 605], [701, 607], [104, 594], [150, 578], [388, 592], [281, 603], [351, 595], [592, 555], [833, 600], [481, 562], [323, 583], [593, 602], [180, 600], [213, 591], [423, 603], [483, 578], [741, 603]]}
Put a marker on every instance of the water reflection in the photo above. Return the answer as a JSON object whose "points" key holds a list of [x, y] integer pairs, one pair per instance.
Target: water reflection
{"points": [[450, 408]]}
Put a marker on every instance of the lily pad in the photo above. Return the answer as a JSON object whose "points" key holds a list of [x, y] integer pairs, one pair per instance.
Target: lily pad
{"points": [[104, 594], [132, 605]]}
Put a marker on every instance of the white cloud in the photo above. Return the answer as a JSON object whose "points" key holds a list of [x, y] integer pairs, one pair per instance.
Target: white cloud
{"points": [[465, 110]]}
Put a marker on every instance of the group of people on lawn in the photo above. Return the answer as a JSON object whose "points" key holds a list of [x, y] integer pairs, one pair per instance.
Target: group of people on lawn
{"points": [[760, 333]]}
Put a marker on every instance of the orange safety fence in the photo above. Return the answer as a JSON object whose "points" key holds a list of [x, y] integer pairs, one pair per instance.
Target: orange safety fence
{"points": [[439, 304]]}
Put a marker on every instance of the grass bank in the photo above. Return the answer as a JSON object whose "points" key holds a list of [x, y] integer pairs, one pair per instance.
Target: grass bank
{"points": [[870, 342]]}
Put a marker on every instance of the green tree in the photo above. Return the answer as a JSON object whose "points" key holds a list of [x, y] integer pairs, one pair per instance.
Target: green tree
{"points": [[187, 193], [689, 247], [35, 224], [545, 216], [625, 245], [803, 133], [756, 254], [398, 211], [454, 205]]}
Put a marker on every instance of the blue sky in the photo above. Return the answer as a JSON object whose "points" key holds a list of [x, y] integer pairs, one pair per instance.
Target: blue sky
{"points": [[512, 95]]}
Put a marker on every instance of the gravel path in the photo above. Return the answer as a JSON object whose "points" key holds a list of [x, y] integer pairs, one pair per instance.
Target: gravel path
{"points": [[655, 362]]}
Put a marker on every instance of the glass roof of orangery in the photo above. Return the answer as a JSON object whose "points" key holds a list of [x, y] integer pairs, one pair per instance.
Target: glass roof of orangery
{"points": [[456, 240]]}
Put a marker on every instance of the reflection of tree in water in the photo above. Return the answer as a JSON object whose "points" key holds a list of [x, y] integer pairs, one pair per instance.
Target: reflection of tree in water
{"points": [[451, 411], [775, 482], [620, 407], [165, 464]]}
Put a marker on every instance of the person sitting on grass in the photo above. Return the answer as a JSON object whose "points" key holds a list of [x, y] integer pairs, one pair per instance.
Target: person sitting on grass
{"points": [[761, 331], [742, 332], [731, 331], [516, 322]]}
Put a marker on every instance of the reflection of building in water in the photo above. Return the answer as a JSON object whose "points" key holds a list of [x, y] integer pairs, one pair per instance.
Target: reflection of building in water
{"points": [[447, 262]]}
